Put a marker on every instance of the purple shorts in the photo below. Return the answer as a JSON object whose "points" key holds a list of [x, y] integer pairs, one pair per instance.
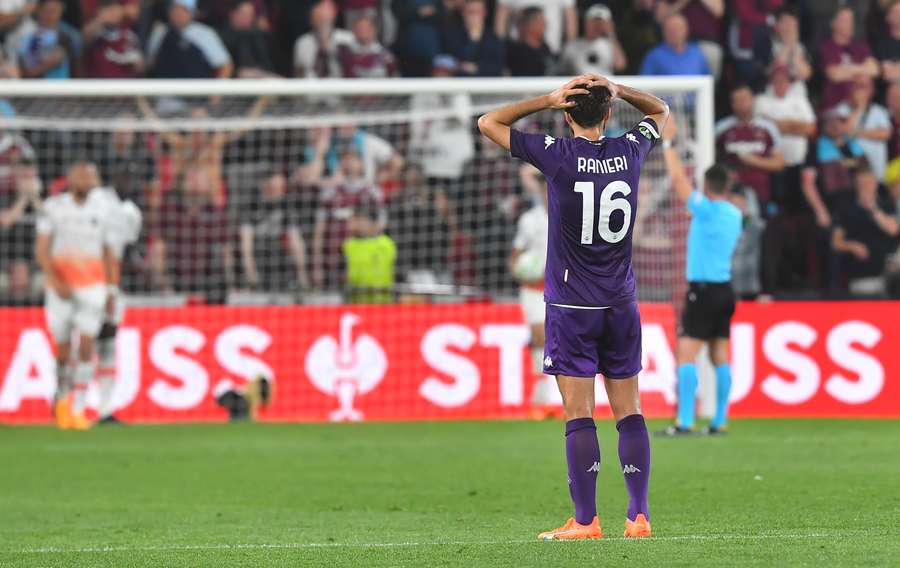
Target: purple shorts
{"points": [[582, 343]]}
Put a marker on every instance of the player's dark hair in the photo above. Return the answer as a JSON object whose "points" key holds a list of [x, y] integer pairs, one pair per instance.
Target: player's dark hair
{"points": [[717, 179], [591, 109]]}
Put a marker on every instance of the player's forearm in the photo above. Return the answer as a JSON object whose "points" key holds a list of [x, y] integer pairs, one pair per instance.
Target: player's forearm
{"points": [[681, 185], [646, 103], [10, 216], [495, 124], [773, 163], [887, 223], [509, 114], [811, 193], [112, 267]]}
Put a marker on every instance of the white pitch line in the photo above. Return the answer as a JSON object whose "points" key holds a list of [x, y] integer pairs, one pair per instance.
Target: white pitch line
{"points": [[365, 545]]}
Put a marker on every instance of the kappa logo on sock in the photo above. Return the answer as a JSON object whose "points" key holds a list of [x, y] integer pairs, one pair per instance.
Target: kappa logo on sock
{"points": [[630, 469], [595, 467]]}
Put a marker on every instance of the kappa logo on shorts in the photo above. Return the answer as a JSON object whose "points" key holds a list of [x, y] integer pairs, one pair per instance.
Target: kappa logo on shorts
{"points": [[548, 362]]}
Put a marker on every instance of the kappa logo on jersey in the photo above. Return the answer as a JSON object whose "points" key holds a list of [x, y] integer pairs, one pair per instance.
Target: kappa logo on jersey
{"points": [[548, 141], [548, 362], [631, 137], [594, 468], [345, 368], [630, 469]]}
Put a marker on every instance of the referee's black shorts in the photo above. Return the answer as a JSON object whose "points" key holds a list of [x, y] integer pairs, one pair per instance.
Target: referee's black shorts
{"points": [[708, 310]]}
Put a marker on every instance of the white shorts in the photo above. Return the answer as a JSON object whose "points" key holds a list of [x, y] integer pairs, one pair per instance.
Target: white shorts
{"points": [[83, 312], [532, 301]]}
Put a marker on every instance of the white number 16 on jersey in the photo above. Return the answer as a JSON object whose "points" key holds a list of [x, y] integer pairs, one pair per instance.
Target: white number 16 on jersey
{"points": [[608, 204]]}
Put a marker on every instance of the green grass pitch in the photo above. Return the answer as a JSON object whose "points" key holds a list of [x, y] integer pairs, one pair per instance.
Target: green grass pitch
{"points": [[772, 493]]}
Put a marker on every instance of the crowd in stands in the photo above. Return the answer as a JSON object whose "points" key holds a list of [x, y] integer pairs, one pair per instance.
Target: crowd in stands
{"points": [[808, 109]]}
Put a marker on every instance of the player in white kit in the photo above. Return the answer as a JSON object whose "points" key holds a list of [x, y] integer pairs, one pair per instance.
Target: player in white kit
{"points": [[74, 252], [124, 229], [527, 262]]}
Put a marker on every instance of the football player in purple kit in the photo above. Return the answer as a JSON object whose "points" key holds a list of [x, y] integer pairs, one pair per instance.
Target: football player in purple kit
{"points": [[592, 322]]}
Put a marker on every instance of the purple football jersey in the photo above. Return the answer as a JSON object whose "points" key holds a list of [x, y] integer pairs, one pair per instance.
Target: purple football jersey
{"points": [[592, 202]]}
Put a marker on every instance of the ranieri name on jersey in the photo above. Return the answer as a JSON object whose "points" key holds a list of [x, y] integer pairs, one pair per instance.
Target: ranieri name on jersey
{"points": [[605, 166]]}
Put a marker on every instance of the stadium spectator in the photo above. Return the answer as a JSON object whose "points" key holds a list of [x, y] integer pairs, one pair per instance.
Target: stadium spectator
{"points": [[870, 123], [419, 226], [865, 234], [746, 264], [190, 241], [750, 144], [364, 56], [475, 46], [843, 57], [892, 100], [675, 55], [750, 27], [370, 257], [273, 253], [127, 163], [599, 50], [638, 17], [443, 145], [341, 194], [19, 290], [216, 13], [787, 49], [15, 23], [529, 55], [200, 149], [560, 20], [706, 19], [352, 10], [381, 162], [818, 15], [52, 49], [185, 48], [785, 104], [247, 44], [112, 50], [830, 165], [888, 47], [316, 52], [827, 185], [419, 38], [20, 200]]}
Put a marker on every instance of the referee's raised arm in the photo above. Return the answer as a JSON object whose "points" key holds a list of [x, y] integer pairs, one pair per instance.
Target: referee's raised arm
{"points": [[681, 183]]}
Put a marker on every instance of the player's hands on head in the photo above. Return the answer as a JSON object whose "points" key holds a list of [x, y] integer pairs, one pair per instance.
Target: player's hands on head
{"points": [[559, 99], [594, 80]]}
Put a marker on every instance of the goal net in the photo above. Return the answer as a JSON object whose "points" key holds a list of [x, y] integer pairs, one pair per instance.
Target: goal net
{"points": [[345, 242]]}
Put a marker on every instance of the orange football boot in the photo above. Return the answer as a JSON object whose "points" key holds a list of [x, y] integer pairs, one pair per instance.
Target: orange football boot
{"points": [[638, 528], [574, 531], [63, 414], [80, 422]]}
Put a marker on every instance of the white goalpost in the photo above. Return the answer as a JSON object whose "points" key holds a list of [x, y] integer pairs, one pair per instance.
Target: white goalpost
{"points": [[318, 192]]}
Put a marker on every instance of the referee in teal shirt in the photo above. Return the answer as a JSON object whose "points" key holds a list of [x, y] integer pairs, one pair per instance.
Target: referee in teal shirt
{"points": [[716, 226]]}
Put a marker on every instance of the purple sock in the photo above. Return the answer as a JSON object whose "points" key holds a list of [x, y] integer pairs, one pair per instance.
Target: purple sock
{"points": [[583, 456], [634, 455]]}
